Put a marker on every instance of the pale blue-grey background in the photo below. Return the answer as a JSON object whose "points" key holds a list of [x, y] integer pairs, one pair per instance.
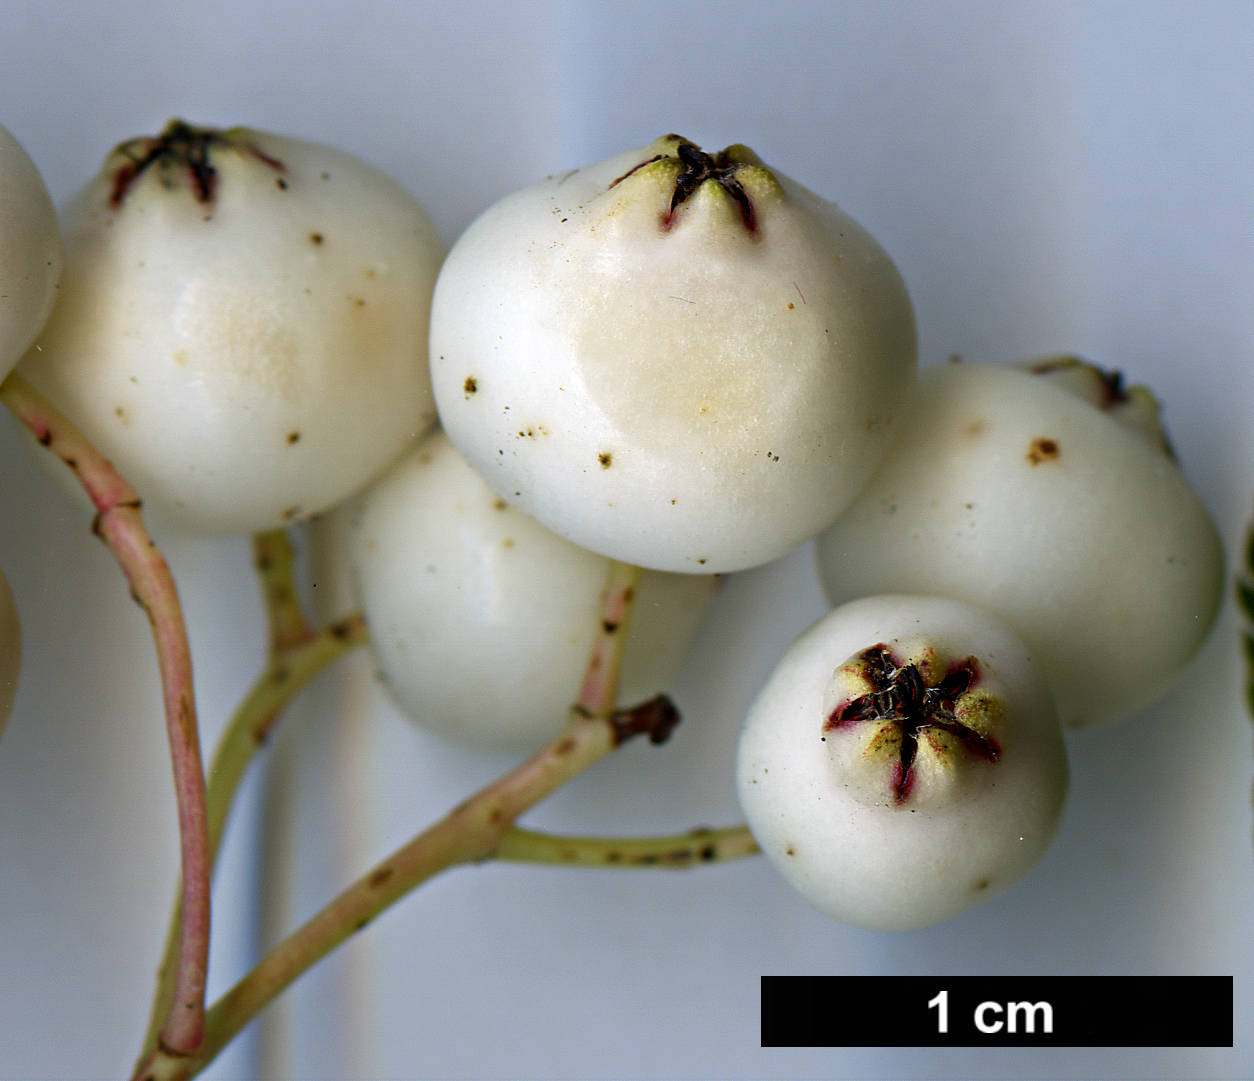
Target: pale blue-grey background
{"points": [[1049, 176]]}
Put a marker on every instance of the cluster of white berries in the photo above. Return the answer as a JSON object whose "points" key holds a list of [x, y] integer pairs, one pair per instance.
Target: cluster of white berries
{"points": [[676, 359]]}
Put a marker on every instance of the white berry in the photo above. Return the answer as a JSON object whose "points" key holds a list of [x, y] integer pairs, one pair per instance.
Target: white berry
{"points": [[1011, 492], [680, 360], [903, 762], [481, 620], [242, 326]]}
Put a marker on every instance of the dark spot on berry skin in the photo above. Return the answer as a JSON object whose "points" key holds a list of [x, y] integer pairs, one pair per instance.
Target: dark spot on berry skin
{"points": [[379, 877], [980, 886], [605, 458], [1043, 450], [707, 854], [315, 238], [280, 183], [45, 438], [899, 695], [499, 504], [608, 626], [470, 386], [293, 437]]}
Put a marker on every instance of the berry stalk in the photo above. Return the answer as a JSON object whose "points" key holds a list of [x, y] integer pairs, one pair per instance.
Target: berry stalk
{"points": [[298, 652], [677, 852], [120, 525]]}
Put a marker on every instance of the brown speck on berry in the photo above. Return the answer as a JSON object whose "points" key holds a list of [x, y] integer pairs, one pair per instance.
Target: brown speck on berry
{"points": [[1043, 450]]}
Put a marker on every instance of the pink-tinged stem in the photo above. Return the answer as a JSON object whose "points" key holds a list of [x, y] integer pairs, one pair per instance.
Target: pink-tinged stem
{"points": [[298, 652], [600, 683], [121, 526], [290, 669]]}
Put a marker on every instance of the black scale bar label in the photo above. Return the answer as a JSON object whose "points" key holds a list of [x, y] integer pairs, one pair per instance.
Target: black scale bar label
{"points": [[1015, 1011]]}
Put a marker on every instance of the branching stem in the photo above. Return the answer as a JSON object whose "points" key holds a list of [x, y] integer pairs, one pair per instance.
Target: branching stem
{"points": [[471, 832], [468, 834]]}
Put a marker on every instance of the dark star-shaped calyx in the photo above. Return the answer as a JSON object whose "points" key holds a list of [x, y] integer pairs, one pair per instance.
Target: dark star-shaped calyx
{"points": [[901, 696], [183, 148]]}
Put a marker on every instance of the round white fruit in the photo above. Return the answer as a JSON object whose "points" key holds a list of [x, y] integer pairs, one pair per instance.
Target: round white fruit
{"points": [[30, 252], [481, 620], [10, 651], [242, 325], [903, 762], [1011, 492], [683, 361]]}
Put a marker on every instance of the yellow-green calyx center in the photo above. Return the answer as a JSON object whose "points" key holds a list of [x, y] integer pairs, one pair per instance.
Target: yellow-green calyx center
{"points": [[698, 167]]}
